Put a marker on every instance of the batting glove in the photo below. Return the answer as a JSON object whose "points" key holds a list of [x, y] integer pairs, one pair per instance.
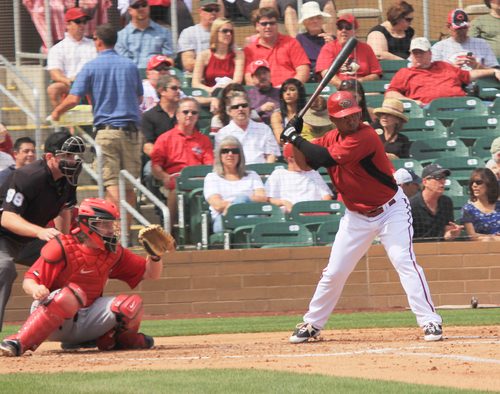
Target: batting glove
{"points": [[292, 130]]}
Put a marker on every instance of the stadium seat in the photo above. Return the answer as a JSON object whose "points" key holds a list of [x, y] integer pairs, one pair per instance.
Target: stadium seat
{"points": [[470, 129], [481, 147], [488, 88], [453, 188], [375, 86], [409, 164], [424, 128], [314, 213], [374, 100], [391, 67], [411, 109], [450, 108], [495, 108], [460, 167], [327, 90], [265, 169], [427, 150], [280, 234], [325, 235]]}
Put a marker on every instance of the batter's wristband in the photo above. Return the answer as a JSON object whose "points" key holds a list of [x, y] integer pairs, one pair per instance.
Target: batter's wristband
{"points": [[155, 258]]}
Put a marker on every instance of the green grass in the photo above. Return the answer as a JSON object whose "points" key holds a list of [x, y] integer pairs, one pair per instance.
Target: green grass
{"points": [[209, 382]]}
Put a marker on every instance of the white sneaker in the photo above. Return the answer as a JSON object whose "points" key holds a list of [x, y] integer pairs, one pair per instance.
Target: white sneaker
{"points": [[433, 331], [304, 332]]}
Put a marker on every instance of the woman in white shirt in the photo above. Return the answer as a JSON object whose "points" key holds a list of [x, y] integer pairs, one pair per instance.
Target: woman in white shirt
{"points": [[230, 183]]}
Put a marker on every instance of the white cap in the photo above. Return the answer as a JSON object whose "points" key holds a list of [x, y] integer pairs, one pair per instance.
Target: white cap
{"points": [[404, 175], [421, 43], [310, 9]]}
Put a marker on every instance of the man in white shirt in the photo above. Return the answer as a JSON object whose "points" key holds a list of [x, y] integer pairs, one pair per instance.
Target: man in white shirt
{"points": [[258, 141], [285, 188], [67, 58]]}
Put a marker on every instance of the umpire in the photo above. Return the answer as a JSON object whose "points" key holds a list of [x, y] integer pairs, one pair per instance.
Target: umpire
{"points": [[30, 198]]}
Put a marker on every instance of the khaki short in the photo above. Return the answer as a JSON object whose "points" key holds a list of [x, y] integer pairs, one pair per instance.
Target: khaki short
{"points": [[120, 151]]}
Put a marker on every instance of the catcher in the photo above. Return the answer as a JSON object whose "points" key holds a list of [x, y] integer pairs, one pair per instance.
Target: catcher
{"points": [[68, 279]]}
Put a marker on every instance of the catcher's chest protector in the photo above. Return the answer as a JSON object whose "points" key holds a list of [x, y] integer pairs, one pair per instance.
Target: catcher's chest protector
{"points": [[89, 270]]}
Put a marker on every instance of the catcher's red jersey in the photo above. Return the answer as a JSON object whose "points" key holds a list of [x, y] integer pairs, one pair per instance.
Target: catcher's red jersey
{"points": [[66, 260]]}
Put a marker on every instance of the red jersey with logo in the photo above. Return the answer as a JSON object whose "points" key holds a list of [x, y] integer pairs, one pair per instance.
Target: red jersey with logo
{"points": [[364, 173]]}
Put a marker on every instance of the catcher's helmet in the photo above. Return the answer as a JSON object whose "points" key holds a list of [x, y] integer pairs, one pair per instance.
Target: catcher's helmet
{"points": [[71, 167], [342, 104], [99, 219]]}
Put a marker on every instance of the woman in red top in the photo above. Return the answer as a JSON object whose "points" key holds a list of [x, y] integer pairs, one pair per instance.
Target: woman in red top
{"points": [[221, 60]]}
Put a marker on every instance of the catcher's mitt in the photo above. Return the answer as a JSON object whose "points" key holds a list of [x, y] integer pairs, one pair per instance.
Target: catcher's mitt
{"points": [[156, 241]]}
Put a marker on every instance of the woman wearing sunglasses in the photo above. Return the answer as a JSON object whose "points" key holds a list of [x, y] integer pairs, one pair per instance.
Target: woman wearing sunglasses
{"points": [[230, 183], [481, 217], [220, 61], [391, 39]]}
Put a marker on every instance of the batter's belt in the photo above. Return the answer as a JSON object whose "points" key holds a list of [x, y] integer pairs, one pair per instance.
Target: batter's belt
{"points": [[379, 210]]}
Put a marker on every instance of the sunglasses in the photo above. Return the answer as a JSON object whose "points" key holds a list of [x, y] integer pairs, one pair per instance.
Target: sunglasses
{"points": [[95, 38], [211, 9], [345, 27], [173, 87], [234, 151], [437, 177], [237, 106], [478, 182], [80, 21], [136, 6], [161, 68], [186, 112], [409, 20], [226, 31], [265, 24]]}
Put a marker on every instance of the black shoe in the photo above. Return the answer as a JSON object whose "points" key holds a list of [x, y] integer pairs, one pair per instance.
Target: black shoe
{"points": [[10, 348], [150, 342], [304, 332], [433, 332], [84, 345]]}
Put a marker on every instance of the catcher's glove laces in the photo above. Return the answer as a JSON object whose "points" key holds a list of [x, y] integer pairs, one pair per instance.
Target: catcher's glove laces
{"points": [[156, 241]]}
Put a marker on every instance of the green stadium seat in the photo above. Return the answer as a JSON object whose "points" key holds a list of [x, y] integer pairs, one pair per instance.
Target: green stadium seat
{"points": [[327, 90], [265, 169], [391, 67], [489, 88], [424, 128], [411, 109], [280, 234], [495, 108], [314, 213], [375, 86], [325, 235], [481, 147], [453, 188], [374, 100], [470, 129], [451, 108], [409, 164], [460, 167], [427, 150]]}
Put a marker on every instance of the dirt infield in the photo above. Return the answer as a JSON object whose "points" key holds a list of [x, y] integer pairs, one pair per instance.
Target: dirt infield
{"points": [[468, 357]]}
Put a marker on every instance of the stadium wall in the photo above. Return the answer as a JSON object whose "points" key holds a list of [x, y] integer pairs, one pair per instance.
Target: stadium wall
{"points": [[284, 279]]}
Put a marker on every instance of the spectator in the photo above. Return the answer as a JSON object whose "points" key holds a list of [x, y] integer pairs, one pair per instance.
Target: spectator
{"points": [[24, 153], [432, 212], [143, 38], [5, 140], [408, 181], [288, 9], [230, 183], [292, 100], [115, 87], [221, 117], [427, 80], [257, 139], [467, 53], [481, 217], [158, 66], [316, 120], [314, 38], [285, 188], [488, 26], [264, 98], [391, 39], [6, 161], [388, 126], [67, 57], [196, 39], [237, 9], [362, 64], [221, 64], [181, 147], [356, 89], [284, 54]]}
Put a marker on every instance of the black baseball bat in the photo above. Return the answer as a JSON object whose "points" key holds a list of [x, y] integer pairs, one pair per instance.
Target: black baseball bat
{"points": [[334, 69]]}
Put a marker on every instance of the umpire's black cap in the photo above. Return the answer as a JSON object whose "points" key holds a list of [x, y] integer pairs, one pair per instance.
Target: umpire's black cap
{"points": [[55, 141]]}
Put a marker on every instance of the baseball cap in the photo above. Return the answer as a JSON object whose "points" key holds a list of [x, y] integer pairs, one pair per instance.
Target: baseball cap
{"points": [[349, 19], [495, 145], [132, 2], [458, 19], [75, 13], [258, 63], [287, 151], [55, 141], [421, 43], [204, 3], [434, 169], [404, 175], [342, 104], [155, 61]]}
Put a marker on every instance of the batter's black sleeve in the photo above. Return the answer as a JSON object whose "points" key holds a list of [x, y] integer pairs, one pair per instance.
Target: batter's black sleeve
{"points": [[322, 157]]}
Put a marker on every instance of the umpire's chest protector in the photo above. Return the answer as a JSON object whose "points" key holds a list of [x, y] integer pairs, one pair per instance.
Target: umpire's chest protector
{"points": [[89, 268]]}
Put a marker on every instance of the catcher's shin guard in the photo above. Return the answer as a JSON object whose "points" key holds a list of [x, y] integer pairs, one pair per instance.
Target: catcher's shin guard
{"points": [[48, 317], [129, 312]]}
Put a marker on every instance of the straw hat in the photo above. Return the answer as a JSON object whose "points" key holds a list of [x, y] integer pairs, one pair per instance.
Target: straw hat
{"points": [[317, 115], [310, 9], [392, 107]]}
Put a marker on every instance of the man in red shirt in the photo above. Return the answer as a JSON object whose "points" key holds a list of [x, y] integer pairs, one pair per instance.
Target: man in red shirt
{"points": [[362, 64], [285, 55], [356, 161], [180, 147], [427, 80]]}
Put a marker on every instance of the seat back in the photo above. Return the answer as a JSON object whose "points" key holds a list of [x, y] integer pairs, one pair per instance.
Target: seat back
{"points": [[250, 214], [471, 128], [327, 231], [411, 109], [424, 128], [488, 88], [280, 233], [450, 108], [315, 211], [265, 169], [453, 188], [393, 66], [327, 91], [375, 86], [495, 108], [427, 150], [192, 177], [461, 167], [482, 146], [409, 164]]}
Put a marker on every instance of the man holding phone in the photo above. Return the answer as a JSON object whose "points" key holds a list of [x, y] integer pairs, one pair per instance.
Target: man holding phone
{"points": [[467, 53]]}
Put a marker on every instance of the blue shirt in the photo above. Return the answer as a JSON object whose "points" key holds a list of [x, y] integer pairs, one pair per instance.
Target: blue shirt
{"points": [[114, 84], [4, 174], [484, 223], [139, 46]]}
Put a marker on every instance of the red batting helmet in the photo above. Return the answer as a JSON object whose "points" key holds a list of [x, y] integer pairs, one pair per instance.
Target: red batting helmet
{"points": [[342, 104]]}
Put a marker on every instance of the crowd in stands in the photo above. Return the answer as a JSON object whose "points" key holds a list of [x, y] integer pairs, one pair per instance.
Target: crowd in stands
{"points": [[253, 92]]}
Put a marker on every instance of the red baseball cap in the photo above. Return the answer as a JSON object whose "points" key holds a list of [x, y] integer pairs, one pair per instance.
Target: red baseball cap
{"points": [[349, 19], [458, 19], [258, 63], [287, 151], [155, 61], [75, 13], [342, 104]]}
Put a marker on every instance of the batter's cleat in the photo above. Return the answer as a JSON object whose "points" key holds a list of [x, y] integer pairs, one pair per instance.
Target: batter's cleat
{"points": [[150, 342], [433, 332], [84, 345], [10, 348], [304, 332]]}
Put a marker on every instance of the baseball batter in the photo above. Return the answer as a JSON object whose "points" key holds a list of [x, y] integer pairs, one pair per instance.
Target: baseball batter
{"points": [[376, 206], [67, 282]]}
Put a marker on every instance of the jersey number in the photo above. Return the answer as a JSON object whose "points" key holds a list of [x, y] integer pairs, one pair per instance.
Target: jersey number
{"points": [[16, 198]]}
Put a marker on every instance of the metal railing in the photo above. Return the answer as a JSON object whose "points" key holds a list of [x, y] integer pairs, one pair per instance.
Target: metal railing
{"points": [[87, 167], [126, 207], [35, 117]]}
